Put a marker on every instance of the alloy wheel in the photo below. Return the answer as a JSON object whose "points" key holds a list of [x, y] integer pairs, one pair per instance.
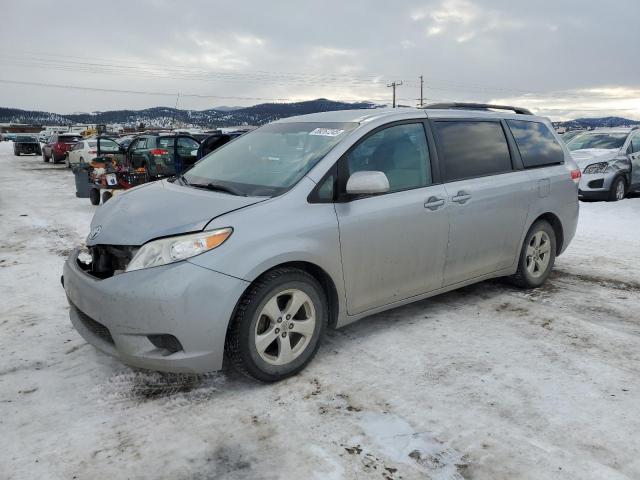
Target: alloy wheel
{"points": [[285, 327], [538, 254]]}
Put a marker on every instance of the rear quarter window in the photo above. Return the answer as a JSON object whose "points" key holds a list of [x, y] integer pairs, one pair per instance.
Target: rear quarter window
{"points": [[472, 149], [537, 145]]}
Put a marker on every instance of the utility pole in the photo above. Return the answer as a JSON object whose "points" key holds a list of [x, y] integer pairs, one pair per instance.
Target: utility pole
{"points": [[421, 91], [393, 85]]}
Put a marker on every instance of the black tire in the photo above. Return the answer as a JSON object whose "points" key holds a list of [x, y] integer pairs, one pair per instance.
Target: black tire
{"points": [[106, 195], [523, 278], [94, 196], [16, 153], [45, 158], [613, 191], [240, 341]]}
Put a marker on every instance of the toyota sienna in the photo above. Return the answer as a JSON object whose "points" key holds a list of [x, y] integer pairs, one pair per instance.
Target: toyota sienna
{"points": [[314, 222]]}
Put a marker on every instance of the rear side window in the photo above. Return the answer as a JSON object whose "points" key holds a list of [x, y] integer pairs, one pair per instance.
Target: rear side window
{"points": [[472, 149], [537, 145], [165, 142]]}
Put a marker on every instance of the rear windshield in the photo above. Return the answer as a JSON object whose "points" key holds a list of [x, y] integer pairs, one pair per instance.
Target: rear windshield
{"points": [[93, 144], [597, 140], [69, 138]]}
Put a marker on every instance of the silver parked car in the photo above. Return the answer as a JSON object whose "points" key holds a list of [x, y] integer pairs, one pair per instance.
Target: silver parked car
{"points": [[610, 162], [314, 222]]}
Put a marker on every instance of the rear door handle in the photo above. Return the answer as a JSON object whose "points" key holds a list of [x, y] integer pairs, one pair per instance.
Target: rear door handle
{"points": [[461, 197], [434, 203]]}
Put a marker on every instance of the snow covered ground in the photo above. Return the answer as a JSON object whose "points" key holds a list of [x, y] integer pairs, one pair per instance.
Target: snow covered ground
{"points": [[488, 382]]}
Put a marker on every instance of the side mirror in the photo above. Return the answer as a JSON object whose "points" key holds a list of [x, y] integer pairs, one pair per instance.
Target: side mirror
{"points": [[367, 183]]}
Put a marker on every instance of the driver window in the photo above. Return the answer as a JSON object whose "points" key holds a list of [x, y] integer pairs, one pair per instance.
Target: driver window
{"points": [[400, 152], [187, 146]]}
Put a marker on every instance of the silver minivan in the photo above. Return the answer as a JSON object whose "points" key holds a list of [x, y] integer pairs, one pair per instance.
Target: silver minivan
{"points": [[314, 222]]}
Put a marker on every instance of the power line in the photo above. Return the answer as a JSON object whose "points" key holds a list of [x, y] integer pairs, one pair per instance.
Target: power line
{"points": [[185, 72], [169, 94]]}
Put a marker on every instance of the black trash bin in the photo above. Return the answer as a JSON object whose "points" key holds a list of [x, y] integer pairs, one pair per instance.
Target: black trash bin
{"points": [[81, 173]]}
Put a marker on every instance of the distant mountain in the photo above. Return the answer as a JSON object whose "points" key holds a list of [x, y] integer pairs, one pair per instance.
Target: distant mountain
{"points": [[224, 108], [589, 123], [167, 117]]}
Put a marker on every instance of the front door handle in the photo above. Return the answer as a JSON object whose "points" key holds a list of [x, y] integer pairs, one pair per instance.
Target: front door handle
{"points": [[434, 203], [461, 197]]}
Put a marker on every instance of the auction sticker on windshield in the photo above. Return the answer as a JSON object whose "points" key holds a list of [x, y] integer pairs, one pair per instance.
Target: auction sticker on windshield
{"points": [[326, 132]]}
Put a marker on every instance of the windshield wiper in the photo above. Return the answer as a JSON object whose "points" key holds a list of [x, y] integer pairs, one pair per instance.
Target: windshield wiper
{"points": [[219, 187]]}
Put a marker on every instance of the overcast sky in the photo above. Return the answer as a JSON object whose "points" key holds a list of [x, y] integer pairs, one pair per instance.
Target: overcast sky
{"points": [[562, 58]]}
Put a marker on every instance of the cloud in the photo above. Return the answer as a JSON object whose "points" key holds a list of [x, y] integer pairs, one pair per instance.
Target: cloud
{"points": [[551, 55]]}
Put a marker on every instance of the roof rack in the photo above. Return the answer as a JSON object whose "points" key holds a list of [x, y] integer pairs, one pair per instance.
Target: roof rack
{"points": [[477, 106]]}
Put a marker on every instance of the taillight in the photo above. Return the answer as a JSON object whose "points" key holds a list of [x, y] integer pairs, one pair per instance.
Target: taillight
{"points": [[576, 175], [93, 151], [156, 152]]}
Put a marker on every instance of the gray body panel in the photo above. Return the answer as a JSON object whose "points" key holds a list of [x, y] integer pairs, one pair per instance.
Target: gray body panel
{"points": [[377, 234], [160, 209], [485, 230], [379, 252], [181, 299]]}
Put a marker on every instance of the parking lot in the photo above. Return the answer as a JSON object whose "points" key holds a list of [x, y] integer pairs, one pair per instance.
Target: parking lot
{"points": [[487, 382]]}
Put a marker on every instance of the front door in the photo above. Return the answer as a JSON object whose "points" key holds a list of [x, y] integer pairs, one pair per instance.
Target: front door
{"points": [[393, 245]]}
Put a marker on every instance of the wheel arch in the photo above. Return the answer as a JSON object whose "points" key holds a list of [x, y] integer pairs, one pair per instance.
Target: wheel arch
{"points": [[320, 275], [556, 224]]}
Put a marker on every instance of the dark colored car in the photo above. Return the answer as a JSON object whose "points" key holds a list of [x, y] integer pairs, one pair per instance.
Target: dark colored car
{"points": [[124, 142], [26, 144], [215, 141], [58, 145], [163, 155]]}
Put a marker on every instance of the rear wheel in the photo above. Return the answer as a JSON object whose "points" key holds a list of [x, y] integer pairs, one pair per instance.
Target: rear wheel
{"points": [[106, 195], [537, 256], [278, 325], [94, 196], [618, 189]]}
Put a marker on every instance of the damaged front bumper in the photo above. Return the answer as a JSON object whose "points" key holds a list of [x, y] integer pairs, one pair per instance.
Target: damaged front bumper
{"points": [[171, 318]]}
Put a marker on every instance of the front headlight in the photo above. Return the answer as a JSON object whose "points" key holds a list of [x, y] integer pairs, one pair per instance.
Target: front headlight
{"points": [[174, 249], [597, 167]]}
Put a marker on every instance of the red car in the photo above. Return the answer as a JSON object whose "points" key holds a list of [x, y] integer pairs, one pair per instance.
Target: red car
{"points": [[58, 145]]}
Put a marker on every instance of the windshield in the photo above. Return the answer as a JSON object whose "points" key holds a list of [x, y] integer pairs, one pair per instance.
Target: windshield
{"points": [[271, 159], [597, 140], [26, 138]]}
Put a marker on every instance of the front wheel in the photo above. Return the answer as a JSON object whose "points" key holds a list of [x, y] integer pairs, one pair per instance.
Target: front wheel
{"points": [[278, 325], [618, 189], [537, 256]]}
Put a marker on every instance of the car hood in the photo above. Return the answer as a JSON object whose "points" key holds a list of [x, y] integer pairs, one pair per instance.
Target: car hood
{"points": [[588, 156], [159, 209]]}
